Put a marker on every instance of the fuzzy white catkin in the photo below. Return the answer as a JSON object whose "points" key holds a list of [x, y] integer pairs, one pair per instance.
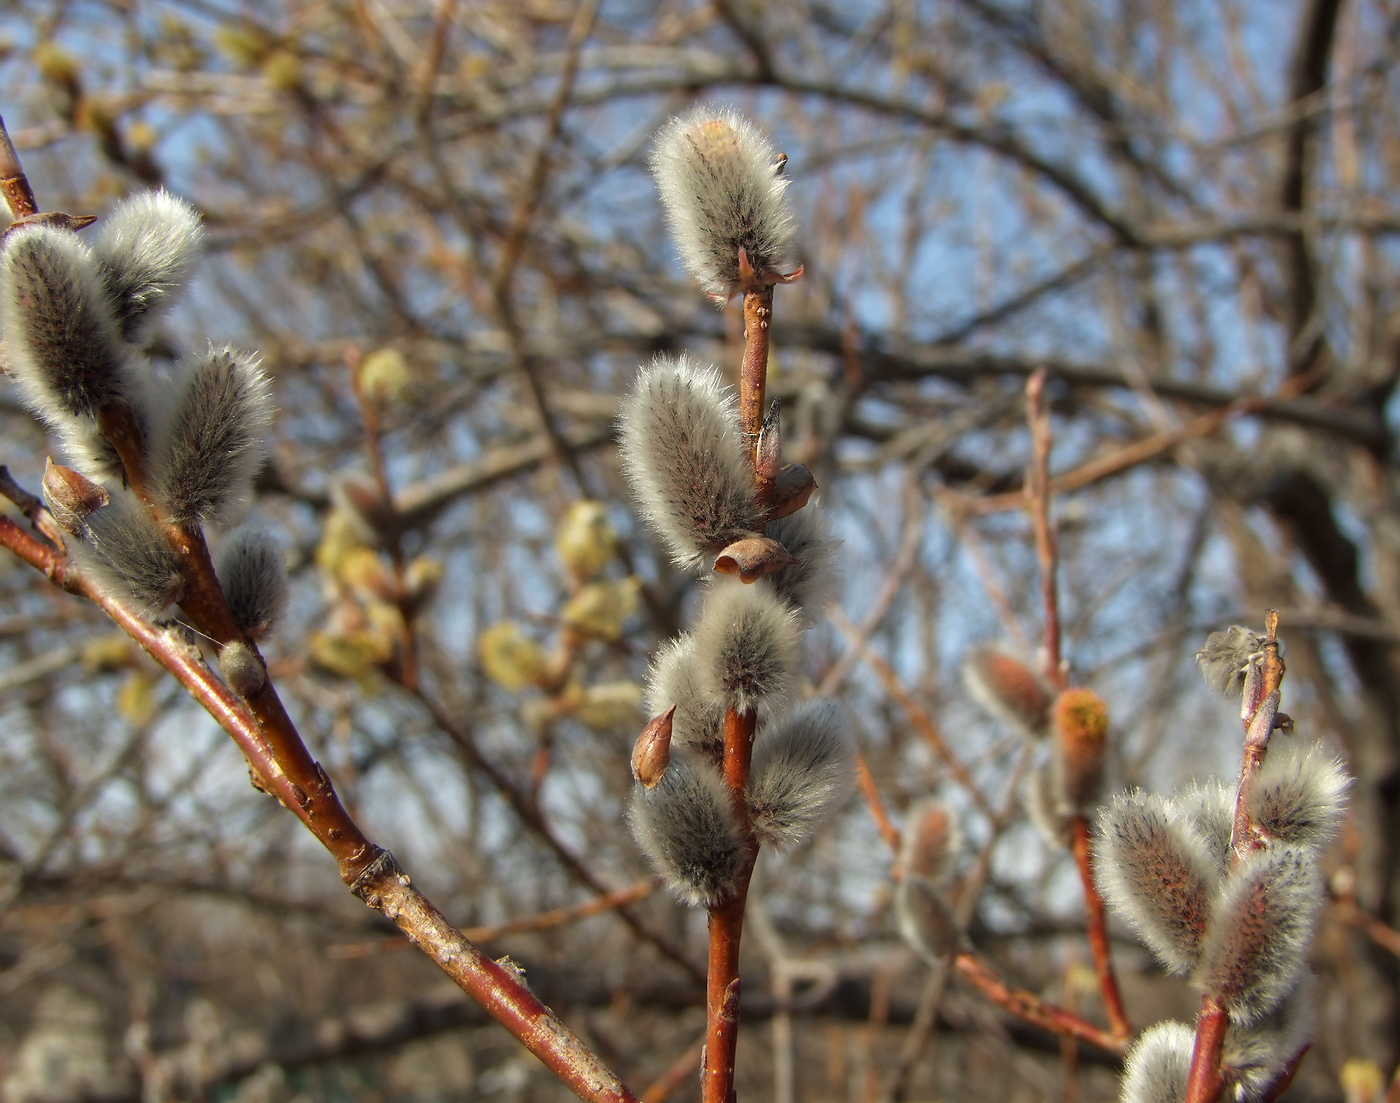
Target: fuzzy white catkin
{"points": [[207, 449], [253, 575], [1226, 656], [804, 768], [144, 254], [1158, 1065], [63, 346], [1298, 797], [747, 644], [674, 680], [1208, 808], [1260, 929], [722, 191], [808, 584], [1254, 1057], [687, 827], [1157, 874], [680, 449], [127, 555]]}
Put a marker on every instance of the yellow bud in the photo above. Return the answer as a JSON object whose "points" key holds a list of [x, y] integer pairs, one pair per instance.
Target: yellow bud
{"points": [[585, 540], [341, 536], [385, 376], [609, 706], [110, 651], [354, 654], [511, 659], [365, 572], [54, 63], [136, 700], [1362, 1081], [282, 71], [600, 608]]}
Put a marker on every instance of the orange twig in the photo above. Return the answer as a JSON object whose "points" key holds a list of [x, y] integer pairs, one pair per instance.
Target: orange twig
{"points": [[1030, 1007], [1098, 931]]}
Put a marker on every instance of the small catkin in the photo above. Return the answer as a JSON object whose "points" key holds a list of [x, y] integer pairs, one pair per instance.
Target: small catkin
{"points": [[1208, 808], [747, 644], [1158, 875], [1158, 1065], [804, 768], [144, 253], [723, 191], [1254, 1057], [698, 722], [127, 554], [1008, 689], [808, 584], [680, 449], [688, 829], [254, 578], [63, 348], [1226, 657], [1298, 797], [243, 671], [206, 452], [1260, 928], [1080, 722], [1045, 805], [931, 842], [926, 920]]}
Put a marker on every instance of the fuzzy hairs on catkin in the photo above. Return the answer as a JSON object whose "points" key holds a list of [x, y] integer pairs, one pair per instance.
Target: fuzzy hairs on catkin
{"points": [[1157, 873], [674, 680], [128, 556], [804, 767], [681, 451], [243, 671], [687, 827], [747, 644], [1298, 797], [64, 349], [723, 190], [1159, 1064], [1257, 942], [144, 253], [209, 447], [253, 575], [808, 584]]}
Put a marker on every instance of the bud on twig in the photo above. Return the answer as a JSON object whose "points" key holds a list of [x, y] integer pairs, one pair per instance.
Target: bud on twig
{"points": [[1157, 874], [70, 496], [725, 200], [1008, 689], [746, 646], [243, 671], [688, 829], [804, 768], [652, 752], [753, 557], [681, 451]]}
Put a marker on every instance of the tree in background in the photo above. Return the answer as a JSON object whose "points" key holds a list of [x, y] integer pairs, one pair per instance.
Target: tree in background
{"points": [[435, 224]]}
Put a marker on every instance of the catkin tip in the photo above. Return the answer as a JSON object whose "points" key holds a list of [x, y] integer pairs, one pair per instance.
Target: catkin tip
{"points": [[747, 644]]}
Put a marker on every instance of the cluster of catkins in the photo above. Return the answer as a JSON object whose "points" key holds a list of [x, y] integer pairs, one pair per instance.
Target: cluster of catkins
{"points": [[767, 559], [155, 454], [1235, 916]]}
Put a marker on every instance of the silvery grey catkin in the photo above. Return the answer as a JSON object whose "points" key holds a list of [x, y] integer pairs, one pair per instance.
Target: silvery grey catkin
{"points": [[129, 556], [1157, 1067], [674, 680], [1226, 657], [1298, 797], [210, 445], [803, 769], [723, 191], [680, 449], [253, 575], [747, 644], [144, 253]]}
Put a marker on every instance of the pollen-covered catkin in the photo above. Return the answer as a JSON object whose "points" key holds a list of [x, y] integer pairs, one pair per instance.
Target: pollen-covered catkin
{"points": [[1008, 689], [63, 348], [681, 451], [1298, 797], [127, 554], [253, 575], [804, 767], [808, 584], [1158, 875], [1260, 928], [207, 450], [674, 680], [1158, 1065], [723, 191], [687, 827], [746, 646], [144, 253]]}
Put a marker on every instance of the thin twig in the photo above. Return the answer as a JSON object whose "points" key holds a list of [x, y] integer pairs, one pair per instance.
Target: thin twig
{"points": [[1030, 1007], [1037, 493], [1098, 931]]}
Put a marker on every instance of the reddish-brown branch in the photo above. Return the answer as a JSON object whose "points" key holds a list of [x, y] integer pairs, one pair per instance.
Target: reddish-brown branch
{"points": [[1098, 931], [1030, 1007], [1038, 505], [1204, 1082], [753, 372], [888, 831]]}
